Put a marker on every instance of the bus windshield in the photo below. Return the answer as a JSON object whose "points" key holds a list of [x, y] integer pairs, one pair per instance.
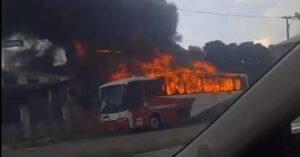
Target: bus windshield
{"points": [[111, 98]]}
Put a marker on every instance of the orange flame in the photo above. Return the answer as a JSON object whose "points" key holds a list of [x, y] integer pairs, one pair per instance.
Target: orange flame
{"points": [[80, 50], [182, 80], [121, 73], [103, 51], [106, 51], [201, 77]]}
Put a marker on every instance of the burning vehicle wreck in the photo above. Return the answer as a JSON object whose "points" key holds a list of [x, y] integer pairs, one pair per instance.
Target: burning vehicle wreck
{"points": [[167, 95]]}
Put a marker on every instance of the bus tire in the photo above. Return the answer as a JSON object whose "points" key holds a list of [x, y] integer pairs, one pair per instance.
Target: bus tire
{"points": [[155, 121]]}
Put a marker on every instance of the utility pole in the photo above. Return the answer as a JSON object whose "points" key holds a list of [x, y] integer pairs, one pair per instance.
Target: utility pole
{"points": [[287, 18]]}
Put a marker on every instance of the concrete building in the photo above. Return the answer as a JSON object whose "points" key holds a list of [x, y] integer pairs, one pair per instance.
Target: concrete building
{"points": [[34, 105]]}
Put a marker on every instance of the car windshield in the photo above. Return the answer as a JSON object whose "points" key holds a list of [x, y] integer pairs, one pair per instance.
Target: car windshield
{"points": [[111, 98], [113, 95], [131, 71]]}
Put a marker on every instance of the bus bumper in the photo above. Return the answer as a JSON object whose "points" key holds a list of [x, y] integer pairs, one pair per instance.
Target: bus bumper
{"points": [[115, 125]]}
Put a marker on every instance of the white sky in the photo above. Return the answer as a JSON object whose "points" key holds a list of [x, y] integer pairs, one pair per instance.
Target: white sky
{"points": [[197, 29]]}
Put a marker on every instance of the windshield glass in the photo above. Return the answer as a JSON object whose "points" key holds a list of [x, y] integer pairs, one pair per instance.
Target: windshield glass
{"points": [[111, 98], [138, 75]]}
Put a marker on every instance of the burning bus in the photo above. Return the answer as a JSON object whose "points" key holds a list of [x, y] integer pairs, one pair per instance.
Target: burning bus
{"points": [[164, 95]]}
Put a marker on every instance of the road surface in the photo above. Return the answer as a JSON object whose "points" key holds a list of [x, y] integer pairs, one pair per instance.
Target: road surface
{"points": [[123, 145]]}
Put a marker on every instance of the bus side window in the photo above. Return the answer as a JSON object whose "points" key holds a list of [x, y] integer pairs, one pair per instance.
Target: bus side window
{"points": [[134, 94], [154, 88]]}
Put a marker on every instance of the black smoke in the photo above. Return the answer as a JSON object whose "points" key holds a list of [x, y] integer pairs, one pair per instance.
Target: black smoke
{"points": [[134, 27], [114, 24]]}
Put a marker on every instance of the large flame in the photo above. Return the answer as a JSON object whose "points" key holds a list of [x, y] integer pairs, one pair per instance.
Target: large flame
{"points": [[200, 77], [106, 51], [121, 73], [80, 50]]}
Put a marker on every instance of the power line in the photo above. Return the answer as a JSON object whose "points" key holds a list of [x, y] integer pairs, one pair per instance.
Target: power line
{"points": [[286, 18], [226, 14]]}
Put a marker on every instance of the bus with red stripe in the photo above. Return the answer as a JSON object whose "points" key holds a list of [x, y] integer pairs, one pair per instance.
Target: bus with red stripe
{"points": [[140, 102]]}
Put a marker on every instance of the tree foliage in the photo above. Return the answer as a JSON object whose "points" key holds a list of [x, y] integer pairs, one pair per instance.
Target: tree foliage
{"points": [[252, 59]]}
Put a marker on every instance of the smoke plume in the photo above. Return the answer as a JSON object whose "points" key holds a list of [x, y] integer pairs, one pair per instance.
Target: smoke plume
{"points": [[133, 28], [32, 49], [100, 24]]}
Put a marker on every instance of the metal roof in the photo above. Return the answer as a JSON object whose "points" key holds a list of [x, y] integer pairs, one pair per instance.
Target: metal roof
{"points": [[126, 81], [17, 78]]}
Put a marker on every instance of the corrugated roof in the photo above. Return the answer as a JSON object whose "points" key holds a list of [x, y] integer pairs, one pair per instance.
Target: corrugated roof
{"points": [[17, 77], [126, 81]]}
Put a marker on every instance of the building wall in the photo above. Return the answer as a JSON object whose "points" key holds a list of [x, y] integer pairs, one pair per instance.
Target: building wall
{"points": [[45, 113], [63, 117]]}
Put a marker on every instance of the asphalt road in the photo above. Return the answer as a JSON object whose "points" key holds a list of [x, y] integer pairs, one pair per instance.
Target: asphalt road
{"points": [[124, 145]]}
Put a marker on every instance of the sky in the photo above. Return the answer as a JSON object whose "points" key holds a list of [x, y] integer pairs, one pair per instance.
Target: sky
{"points": [[198, 29]]}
